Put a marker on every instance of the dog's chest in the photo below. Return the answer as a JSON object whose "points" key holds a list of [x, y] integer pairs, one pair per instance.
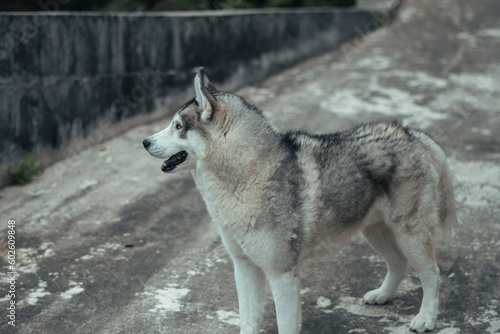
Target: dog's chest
{"points": [[230, 205]]}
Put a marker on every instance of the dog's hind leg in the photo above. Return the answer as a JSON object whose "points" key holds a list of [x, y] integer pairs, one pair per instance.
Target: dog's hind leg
{"points": [[421, 257], [382, 240]]}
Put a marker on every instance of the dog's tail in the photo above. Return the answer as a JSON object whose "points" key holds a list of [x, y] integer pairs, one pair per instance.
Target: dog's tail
{"points": [[447, 204]]}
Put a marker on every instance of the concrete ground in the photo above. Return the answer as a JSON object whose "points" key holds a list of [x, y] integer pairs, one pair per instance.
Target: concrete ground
{"points": [[107, 243]]}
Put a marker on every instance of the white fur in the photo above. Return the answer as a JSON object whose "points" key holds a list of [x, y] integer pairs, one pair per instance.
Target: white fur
{"points": [[159, 148]]}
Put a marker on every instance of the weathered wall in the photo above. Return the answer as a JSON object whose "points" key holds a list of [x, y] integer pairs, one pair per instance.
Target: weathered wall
{"points": [[65, 76]]}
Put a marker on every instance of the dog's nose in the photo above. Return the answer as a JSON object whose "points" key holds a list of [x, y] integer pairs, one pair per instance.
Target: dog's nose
{"points": [[146, 143]]}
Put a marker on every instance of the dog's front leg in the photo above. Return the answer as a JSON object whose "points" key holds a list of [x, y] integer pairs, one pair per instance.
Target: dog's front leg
{"points": [[286, 293], [251, 286]]}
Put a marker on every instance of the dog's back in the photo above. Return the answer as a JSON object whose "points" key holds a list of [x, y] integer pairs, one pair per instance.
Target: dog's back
{"points": [[349, 171]]}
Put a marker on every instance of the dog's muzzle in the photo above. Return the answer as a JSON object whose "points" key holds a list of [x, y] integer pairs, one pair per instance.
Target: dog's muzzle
{"points": [[172, 162]]}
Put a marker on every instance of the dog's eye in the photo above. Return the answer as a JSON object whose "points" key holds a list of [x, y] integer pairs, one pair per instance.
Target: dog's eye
{"points": [[178, 126]]}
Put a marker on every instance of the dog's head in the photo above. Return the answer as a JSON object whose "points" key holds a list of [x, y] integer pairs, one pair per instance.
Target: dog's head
{"points": [[186, 137]]}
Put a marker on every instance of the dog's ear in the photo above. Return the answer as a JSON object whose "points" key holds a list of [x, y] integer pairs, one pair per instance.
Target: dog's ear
{"points": [[205, 95]]}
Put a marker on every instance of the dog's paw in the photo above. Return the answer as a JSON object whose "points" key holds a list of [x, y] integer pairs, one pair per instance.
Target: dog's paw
{"points": [[423, 323], [377, 296]]}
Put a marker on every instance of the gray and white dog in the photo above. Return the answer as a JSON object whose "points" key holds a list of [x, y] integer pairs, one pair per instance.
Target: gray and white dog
{"points": [[279, 199]]}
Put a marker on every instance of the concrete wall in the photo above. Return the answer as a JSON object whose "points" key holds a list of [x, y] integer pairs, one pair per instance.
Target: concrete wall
{"points": [[65, 77]]}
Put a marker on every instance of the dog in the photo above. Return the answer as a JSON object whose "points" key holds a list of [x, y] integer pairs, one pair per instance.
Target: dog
{"points": [[279, 199]]}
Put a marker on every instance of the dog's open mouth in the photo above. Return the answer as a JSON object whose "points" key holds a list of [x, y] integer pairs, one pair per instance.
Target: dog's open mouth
{"points": [[172, 162]]}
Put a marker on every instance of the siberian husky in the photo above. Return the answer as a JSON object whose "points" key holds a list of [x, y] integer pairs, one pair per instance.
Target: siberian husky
{"points": [[279, 199]]}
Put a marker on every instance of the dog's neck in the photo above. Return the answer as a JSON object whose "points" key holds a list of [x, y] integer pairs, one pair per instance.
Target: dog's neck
{"points": [[230, 173], [242, 151]]}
